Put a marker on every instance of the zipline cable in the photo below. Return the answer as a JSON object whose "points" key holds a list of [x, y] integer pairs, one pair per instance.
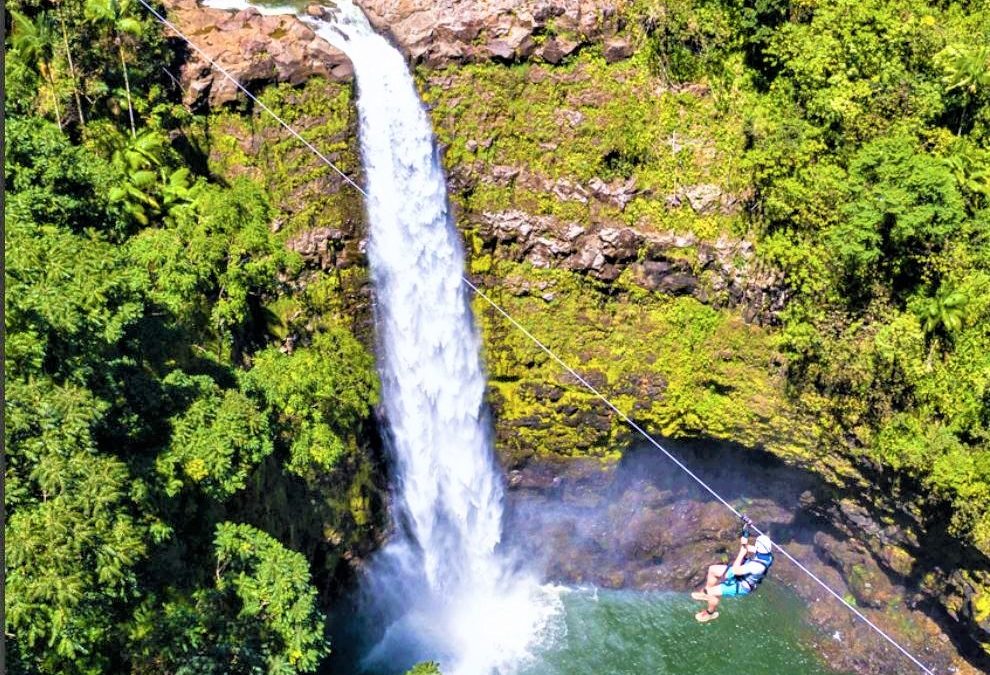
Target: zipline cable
{"points": [[544, 348], [223, 71], [690, 473]]}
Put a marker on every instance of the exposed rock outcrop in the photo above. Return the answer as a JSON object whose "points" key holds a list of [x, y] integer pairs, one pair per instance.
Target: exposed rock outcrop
{"points": [[438, 33], [723, 273], [617, 49], [706, 199], [617, 193], [253, 48], [327, 248], [257, 49]]}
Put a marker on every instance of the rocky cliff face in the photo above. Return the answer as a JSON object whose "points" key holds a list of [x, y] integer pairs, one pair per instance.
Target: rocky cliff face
{"points": [[254, 49], [723, 273], [258, 49], [606, 210], [462, 31]]}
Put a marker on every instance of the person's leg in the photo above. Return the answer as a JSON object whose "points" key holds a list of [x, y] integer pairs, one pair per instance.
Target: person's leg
{"points": [[715, 573], [714, 596]]}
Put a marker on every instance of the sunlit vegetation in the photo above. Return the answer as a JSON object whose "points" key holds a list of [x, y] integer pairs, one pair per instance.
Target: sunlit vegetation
{"points": [[183, 479], [179, 482]]}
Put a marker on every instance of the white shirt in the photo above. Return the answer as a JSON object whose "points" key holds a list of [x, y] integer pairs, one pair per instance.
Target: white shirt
{"points": [[751, 567]]}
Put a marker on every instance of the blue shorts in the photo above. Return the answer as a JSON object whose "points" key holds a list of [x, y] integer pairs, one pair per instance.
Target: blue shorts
{"points": [[733, 587]]}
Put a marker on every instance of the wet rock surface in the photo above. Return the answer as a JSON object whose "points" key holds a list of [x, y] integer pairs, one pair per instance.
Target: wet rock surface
{"points": [[642, 524]]}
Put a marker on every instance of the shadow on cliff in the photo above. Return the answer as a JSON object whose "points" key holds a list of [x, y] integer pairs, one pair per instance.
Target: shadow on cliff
{"points": [[646, 524]]}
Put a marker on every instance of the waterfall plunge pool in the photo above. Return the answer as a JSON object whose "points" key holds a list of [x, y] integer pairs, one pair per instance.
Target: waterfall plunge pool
{"points": [[596, 525], [625, 632]]}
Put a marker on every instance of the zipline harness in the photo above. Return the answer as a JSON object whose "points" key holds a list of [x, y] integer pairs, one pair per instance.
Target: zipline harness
{"points": [[753, 579], [545, 349]]}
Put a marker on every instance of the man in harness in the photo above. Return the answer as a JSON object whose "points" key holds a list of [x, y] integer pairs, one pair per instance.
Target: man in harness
{"points": [[740, 578]]}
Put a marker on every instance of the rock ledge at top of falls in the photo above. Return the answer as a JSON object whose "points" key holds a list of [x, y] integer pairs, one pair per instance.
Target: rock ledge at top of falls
{"points": [[253, 48], [256, 49], [439, 32]]}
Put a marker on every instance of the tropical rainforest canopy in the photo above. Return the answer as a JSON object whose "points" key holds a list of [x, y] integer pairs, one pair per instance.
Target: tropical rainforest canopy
{"points": [[181, 488]]}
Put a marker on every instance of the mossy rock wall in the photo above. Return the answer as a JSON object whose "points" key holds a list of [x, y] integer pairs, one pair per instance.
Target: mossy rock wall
{"points": [[679, 365]]}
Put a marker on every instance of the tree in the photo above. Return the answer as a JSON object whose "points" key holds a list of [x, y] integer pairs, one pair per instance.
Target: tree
{"points": [[904, 206], [849, 63], [136, 160], [965, 68], [971, 167], [259, 615], [34, 41], [320, 393], [50, 181], [70, 301], [114, 18], [216, 441], [73, 543]]}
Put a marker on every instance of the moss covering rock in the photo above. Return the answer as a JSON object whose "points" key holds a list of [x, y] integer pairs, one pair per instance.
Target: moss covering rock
{"points": [[676, 323]]}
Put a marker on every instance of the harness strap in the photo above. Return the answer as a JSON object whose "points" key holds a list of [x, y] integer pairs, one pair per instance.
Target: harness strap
{"points": [[753, 580]]}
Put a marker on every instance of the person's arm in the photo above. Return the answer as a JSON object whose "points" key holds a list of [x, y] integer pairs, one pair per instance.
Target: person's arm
{"points": [[739, 567]]}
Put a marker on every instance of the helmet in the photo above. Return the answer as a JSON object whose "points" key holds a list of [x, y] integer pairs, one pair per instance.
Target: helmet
{"points": [[763, 544]]}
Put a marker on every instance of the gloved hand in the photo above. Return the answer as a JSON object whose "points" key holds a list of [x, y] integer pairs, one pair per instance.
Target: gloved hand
{"points": [[745, 528]]}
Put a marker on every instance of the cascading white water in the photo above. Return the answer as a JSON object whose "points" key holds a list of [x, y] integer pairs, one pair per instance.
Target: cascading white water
{"points": [[441, 585], [440, 589]]}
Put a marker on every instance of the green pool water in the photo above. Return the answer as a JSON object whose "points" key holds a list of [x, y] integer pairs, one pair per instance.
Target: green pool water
{"points": [[608, 632], [619, 632]]}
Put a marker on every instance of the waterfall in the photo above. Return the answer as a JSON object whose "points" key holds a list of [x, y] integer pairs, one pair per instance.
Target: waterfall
{"points": [[440, 585], [433, 386], [441, 588]]}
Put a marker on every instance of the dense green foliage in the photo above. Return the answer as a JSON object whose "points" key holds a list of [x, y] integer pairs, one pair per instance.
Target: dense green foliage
{"points": [[856, 137], [182, 477], [148, 402], [870, 140]]}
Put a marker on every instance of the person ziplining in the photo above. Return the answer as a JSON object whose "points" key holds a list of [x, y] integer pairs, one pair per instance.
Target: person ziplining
{"points": [[742, 577]]}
